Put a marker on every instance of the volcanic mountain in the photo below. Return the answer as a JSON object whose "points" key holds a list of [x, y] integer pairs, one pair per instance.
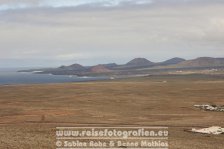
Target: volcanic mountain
{"points": [[74, 67], [135, 64], [201, 62], [175, 60], [99, 69], [140, 62]]}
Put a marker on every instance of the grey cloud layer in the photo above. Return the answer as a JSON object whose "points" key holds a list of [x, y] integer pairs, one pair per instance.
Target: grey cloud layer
{"points": [[25, 4], [7, 5], [89, 35]]}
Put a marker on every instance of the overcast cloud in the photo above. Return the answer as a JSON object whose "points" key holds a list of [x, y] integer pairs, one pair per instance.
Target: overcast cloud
{"points": [[55, 32]]}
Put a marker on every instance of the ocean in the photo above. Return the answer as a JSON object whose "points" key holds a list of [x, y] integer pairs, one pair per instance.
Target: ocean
{"points": [[10, 77]]}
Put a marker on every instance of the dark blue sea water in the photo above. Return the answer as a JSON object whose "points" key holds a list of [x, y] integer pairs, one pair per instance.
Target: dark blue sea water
{"points": [[8, 77]]}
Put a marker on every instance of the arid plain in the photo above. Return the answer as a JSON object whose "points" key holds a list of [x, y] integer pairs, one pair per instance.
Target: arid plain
{"points": [[29, 114]]}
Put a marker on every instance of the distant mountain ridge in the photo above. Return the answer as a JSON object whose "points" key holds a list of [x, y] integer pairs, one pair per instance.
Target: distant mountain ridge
{"points": [[134, 66]]}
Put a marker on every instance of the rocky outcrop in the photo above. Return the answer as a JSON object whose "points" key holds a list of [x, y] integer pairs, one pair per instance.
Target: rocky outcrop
{"points": [[215, 130], [207, 107]]}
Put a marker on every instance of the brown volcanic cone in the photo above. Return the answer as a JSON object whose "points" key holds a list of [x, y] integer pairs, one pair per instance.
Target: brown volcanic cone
{"points": [[99, 69]]}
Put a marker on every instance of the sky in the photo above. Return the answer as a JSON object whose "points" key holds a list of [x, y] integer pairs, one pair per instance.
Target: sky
{"points": [[49, 33]]}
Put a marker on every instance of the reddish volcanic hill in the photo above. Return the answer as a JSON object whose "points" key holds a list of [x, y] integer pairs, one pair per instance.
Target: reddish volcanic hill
{"points": [[99, 69]]}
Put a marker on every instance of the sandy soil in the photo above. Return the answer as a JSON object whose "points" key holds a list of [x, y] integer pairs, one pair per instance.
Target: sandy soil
{"points": [[29, 114]]}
